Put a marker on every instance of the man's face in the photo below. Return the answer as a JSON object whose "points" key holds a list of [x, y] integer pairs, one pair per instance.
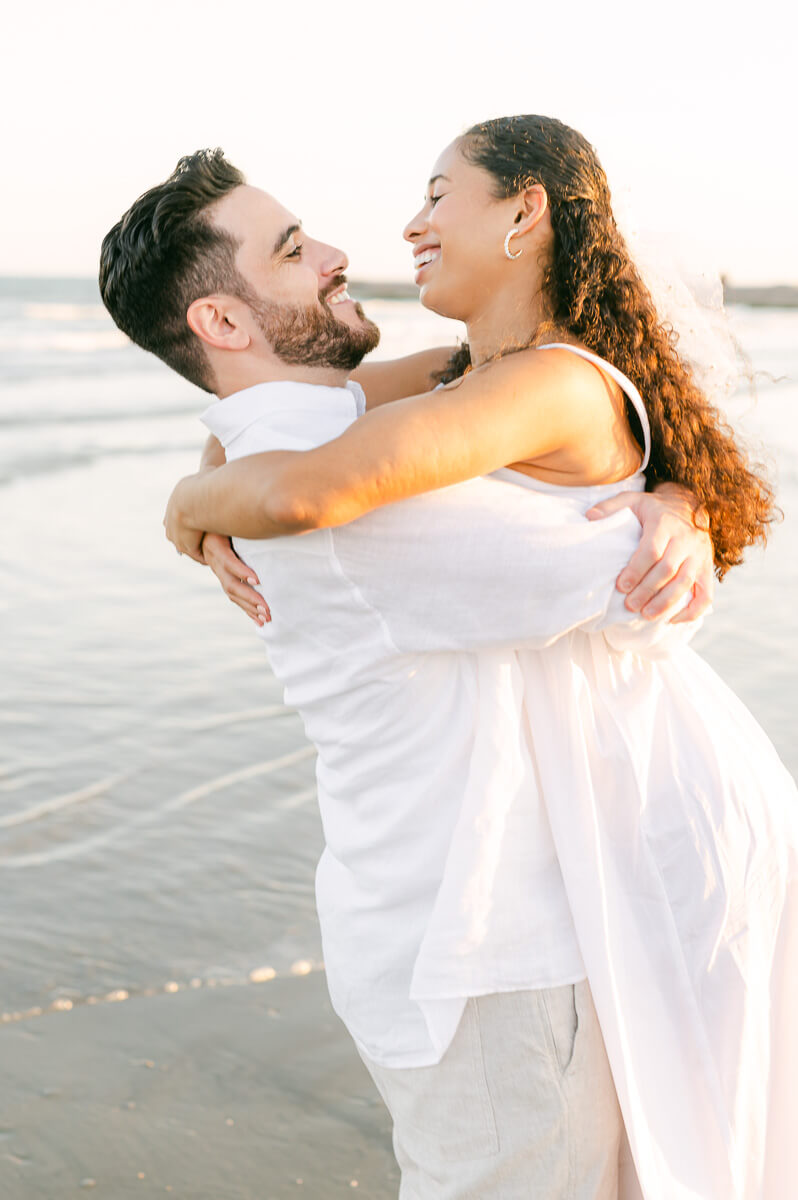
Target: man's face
{"points": [[299, 297]]}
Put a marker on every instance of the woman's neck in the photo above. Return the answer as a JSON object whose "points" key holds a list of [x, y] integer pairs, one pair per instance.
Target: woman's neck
{"points": [[509, 322]]}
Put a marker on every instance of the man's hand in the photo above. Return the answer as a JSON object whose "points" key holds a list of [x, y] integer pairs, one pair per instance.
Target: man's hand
{"points": [[178, 531], [237, 579], [673, 559]]}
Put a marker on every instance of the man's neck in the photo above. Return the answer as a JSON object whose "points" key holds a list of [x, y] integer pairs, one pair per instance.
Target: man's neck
{"points": [[280, 373]]}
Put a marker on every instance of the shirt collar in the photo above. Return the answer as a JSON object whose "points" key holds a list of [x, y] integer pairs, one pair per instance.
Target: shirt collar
{"points": [[228, 418]]}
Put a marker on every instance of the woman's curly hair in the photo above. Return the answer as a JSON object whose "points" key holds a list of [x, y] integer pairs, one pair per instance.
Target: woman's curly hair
{"points": [[593, 293]]}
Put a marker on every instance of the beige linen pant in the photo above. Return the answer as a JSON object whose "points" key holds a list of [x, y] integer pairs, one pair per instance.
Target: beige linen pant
{"points": [[521, 1105]]}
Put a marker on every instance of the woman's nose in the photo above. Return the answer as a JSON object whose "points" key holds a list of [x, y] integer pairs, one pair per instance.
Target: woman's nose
{"points": [[415, 227]]}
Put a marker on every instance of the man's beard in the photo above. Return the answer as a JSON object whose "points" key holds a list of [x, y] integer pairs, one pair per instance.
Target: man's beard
{"points": [[314, 337]]}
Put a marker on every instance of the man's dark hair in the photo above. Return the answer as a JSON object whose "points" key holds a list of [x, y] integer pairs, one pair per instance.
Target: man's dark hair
{"points": [[164, 254]]}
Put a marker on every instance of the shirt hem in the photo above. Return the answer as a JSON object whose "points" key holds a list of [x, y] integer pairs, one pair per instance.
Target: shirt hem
{"points": [[430, 1057]]}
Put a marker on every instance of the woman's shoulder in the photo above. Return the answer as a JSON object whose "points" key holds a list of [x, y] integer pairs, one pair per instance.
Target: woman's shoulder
{"points": [[560, 371], [579, 396]]}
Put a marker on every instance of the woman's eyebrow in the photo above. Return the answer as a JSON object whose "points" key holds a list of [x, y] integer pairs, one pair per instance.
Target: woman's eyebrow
{"points": [[284, 236], [435, 177]]}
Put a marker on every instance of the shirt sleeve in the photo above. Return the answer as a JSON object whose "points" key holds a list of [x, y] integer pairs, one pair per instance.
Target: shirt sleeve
{"points": [[487, 564]]}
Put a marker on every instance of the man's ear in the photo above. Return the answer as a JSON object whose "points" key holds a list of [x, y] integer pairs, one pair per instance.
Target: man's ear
{"points": [[214, 319], [532, 208]]}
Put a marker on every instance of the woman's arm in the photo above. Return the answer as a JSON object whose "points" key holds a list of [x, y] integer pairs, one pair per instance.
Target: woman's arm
{"points": [[397, 378], [430, 441], [521, 408], [212, 454]]}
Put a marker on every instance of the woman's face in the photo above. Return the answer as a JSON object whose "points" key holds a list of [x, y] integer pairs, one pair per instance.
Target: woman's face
{"points": [[458, 238]]}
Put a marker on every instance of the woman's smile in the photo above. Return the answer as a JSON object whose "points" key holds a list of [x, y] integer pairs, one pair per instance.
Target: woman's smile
{"points": [[423, 257]]}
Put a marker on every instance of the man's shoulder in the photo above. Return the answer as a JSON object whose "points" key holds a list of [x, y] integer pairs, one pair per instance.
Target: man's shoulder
{"points": [[285, 430], [261, 416]]}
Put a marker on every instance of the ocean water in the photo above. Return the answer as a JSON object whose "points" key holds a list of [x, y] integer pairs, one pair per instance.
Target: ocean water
{"points": [[158, 822]]}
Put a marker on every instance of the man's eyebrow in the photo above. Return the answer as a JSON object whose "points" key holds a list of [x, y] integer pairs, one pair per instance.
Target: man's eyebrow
{"points": [[283, 238]]}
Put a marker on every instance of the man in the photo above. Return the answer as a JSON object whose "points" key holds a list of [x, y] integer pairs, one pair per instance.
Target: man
{"points": [[448, 939]]}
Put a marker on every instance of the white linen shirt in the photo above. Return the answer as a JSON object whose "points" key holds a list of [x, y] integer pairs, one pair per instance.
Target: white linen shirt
{"points": [[395, 638]]}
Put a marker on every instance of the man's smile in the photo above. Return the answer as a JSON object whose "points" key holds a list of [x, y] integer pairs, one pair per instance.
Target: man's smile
{"points": [[339, 296]]}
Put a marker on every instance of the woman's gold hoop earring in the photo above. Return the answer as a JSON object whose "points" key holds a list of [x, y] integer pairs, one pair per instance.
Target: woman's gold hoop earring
{"points": [[511, 233]]}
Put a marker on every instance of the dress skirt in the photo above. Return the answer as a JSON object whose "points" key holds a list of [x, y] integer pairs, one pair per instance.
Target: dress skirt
{"points": [[676, 828]]}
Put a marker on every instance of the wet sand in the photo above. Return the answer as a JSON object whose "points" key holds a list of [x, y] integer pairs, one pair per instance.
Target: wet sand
{"points": [[249, 1092]]}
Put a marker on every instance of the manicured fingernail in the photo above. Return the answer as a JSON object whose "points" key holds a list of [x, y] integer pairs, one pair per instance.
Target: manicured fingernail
{"points": [[251, 579], [624, 583], [261, 610]]}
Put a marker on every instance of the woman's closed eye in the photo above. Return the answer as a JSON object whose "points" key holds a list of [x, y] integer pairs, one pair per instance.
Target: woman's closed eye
{"points": [[295, 253]]}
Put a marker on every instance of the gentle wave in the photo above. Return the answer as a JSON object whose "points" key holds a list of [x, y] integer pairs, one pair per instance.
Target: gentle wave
{"points": [[64, 312], [37, 811], [240, 717], [258, 976], [77, 342], [54, 418], [125, 828], [54, 463]]}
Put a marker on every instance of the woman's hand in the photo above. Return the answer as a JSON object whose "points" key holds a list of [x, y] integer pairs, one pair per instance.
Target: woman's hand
{"points": [[675, 555], [237, 579], [184, 537]]}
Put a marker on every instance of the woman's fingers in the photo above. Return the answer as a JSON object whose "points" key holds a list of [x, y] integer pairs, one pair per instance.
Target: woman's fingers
{"points": [[227, 555], [247, 598], [235, 577], [221, 549]]}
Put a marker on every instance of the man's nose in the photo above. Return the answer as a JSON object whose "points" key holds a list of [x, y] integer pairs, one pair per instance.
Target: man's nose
{"points": [[333, 262]]}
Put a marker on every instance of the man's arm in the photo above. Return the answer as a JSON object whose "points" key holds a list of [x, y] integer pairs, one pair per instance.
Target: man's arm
{"points": [[673, 561], [675, 555], [484, 564], [399, 377], [489, 565]]}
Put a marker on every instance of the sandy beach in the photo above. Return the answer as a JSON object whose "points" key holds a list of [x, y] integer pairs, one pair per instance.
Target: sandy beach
{"points": [[250, 1092]]}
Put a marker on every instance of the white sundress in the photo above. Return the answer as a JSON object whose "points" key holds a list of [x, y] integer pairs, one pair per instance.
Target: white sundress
{"points": [[676, 829]]}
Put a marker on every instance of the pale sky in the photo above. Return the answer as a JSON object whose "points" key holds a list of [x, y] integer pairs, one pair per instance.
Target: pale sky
{"points": [[340, 108]]}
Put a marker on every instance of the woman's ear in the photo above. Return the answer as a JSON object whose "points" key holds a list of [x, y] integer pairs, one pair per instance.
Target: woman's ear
{"points": [[532, 208], [215, 321]]}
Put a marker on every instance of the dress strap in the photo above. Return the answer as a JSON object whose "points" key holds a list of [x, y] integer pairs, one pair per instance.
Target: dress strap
{"points": [[626, 384]]}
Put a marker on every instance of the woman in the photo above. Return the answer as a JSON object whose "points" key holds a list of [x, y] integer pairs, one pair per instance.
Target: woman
{"points": [[674, 822]]}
